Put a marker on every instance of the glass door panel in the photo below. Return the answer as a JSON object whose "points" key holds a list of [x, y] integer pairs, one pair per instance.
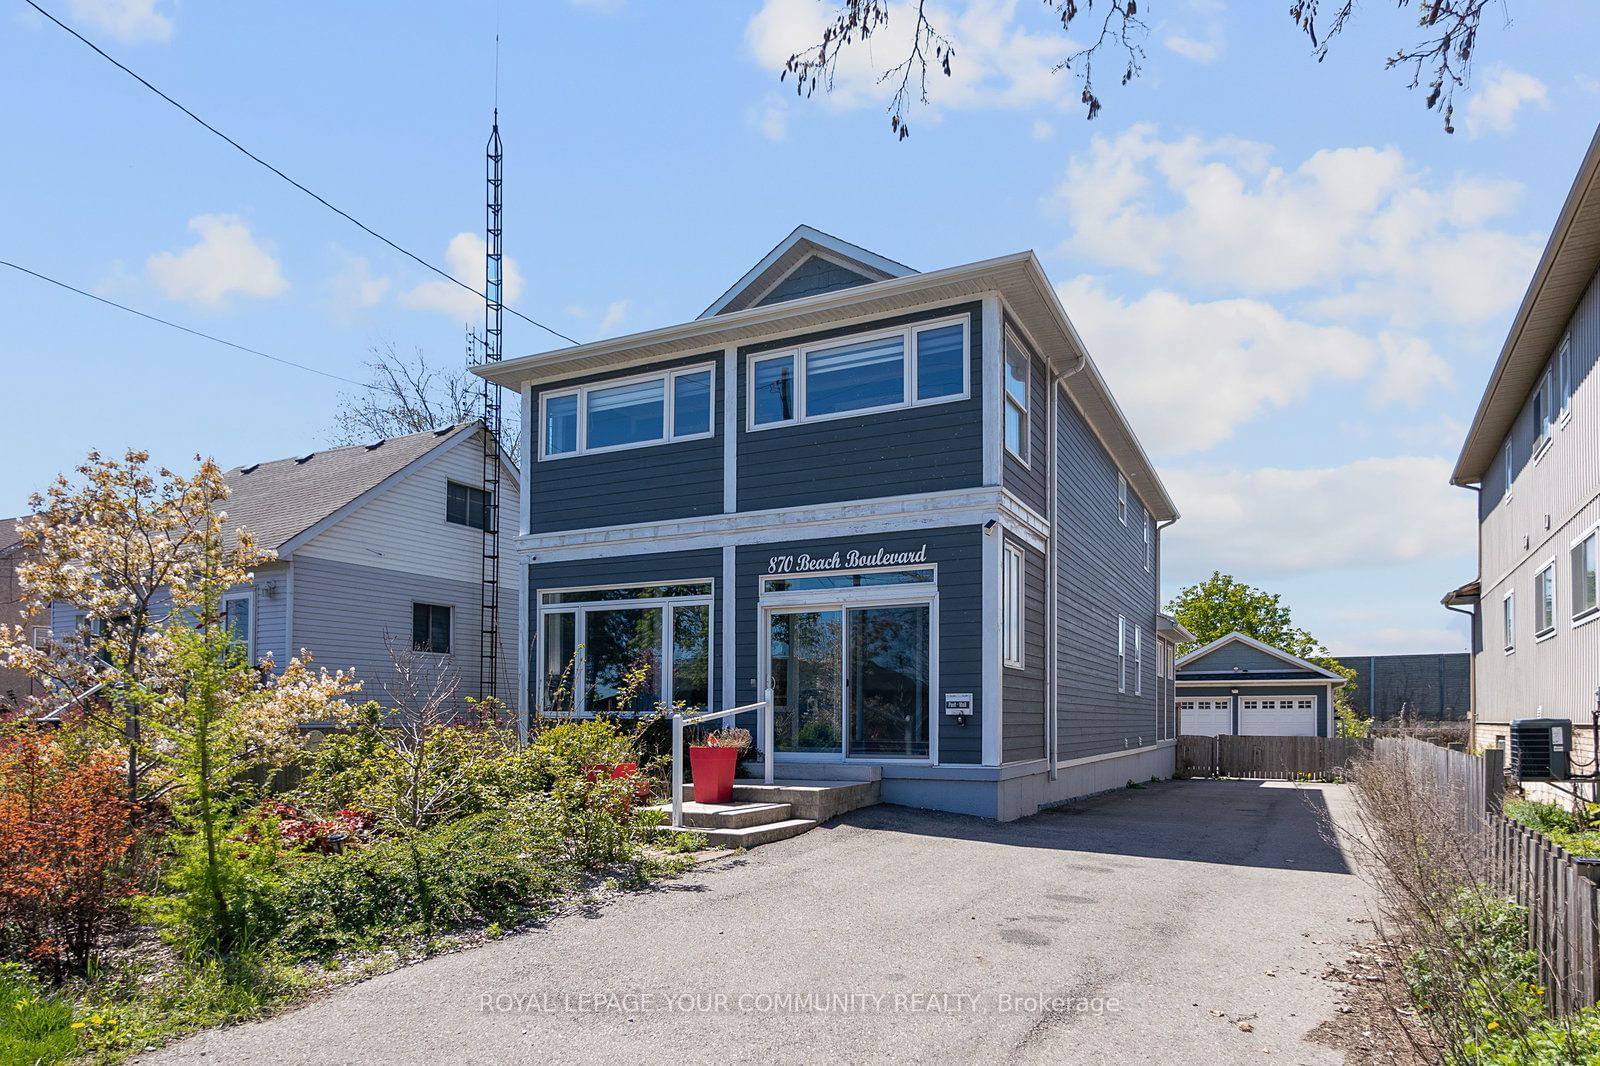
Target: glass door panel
{"points": [[622, 661], [691, 658], [888, 682], [560, 655], [807, 656]]}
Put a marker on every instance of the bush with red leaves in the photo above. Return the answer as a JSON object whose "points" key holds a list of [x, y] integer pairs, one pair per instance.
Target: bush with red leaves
{"points": [[67, 837], [298, 830]]}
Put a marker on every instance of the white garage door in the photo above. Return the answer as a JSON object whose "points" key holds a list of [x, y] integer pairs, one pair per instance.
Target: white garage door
{"points": [[1205, 718], [1280, 716]]}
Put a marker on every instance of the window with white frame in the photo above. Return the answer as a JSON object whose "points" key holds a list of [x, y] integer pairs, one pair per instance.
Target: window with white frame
{"points": [[918, 364], [430, 628], [1544, 600], [1585, 596], [1544, 401], [1011, 607], [40, 637], [1122, 654], [1149, 544], [1564, 383], [629, 413], [236, 617], [1016, 398], [625, 650], [1122, 499], [1138, 661], [1505, 460], [1508, 621]]}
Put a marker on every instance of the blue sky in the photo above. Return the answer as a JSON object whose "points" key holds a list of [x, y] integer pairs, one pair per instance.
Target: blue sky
{"points": [[1294, 280]]}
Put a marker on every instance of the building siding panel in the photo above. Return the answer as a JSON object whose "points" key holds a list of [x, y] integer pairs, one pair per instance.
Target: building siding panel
{"points": [[1023, 690], [812, 278]]}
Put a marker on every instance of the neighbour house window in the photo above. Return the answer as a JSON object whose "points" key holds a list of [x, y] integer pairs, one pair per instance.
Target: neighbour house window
{"points": [[430, 628], [1544, 600], [1585, 597], [626, 650], [652, 409], [1508, 620], [1505, 459], [1122, 499], [1149, 544], [236, 616], [1011, 608], [40, 637], [1122, 654], [1138, 661], [466, 506], [1544, 401], [1016, 399], [882, 371]]}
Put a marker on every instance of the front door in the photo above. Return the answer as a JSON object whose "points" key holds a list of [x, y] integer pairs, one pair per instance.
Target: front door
{"points": [[851, 681]]}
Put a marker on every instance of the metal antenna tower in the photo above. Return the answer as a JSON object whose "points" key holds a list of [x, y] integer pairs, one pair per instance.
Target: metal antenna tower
{"points": [[489, 624]]}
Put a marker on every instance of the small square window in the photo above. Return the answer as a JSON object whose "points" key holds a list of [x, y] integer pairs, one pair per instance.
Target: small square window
{"points": [[691, 404], [466, 506], [773, 389], [430, 628]]}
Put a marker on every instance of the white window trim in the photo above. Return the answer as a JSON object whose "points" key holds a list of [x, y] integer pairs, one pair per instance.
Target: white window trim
{"points": [[1540, 635], [34, 634], [1544, 426], [1122, 498], [1588, 614], [668, 379], [249, 599], [1122, 654], [1508, 636], [1149, 545], [1564, 380], [1012, 612], [1510, 469], [1025, 456], [1138, 661], [579, 610], [908, 393]]}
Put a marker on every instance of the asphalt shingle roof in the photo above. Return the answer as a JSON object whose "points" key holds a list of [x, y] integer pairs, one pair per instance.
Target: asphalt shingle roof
{"points": [[278, 500]]}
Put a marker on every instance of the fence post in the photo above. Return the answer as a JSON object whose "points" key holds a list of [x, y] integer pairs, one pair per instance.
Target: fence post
{"points": [[1494, 777]]}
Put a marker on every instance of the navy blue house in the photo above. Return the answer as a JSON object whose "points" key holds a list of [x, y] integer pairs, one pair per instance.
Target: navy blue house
{"points": [[905, 501]]}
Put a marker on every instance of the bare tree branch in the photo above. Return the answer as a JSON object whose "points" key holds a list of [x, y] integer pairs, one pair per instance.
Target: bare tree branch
{"points": [[412, 396]]}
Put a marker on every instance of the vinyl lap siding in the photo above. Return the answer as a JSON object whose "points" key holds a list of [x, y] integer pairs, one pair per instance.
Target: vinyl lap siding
{"points": [[1101, 575], [271, 614], [1555, 677], [1023, 690], [893, 453], [811, 278], [655, 483], [1233, 655]]}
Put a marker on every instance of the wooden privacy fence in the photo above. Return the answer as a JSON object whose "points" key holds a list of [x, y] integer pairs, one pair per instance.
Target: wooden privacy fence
{"points": [[1563, 907], [1268, 758]]}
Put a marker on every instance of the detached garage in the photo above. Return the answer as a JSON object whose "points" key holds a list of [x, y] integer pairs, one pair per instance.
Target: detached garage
{"points": [[1240, 685]]}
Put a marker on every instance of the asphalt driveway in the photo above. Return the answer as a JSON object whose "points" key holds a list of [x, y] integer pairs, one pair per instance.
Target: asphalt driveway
{"points": [[1142, 926]]}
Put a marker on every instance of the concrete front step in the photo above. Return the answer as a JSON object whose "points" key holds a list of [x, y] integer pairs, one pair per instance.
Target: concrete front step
{"points": [[811, 799], [729, 815], [752, 836]]}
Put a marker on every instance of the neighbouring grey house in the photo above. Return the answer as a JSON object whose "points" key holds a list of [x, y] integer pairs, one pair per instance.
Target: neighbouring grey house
{"points": [[1434, 687], [907, 502], [1532, 455], [377, 545], [1240, 686]]}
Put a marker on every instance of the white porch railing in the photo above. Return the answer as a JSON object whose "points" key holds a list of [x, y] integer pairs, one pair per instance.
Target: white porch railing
{"points": [[764, 708]]}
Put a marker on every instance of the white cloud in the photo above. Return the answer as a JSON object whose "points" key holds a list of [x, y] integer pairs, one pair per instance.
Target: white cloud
{"points": [[1192, 49], [464, 259], [1042, 130], [1372, 512], [1350, 230], [225, 261], [1443, 433], [1493, 107], [357, 286], [997, 63], [1190, 373], [771, 120], [128, 21], [1411, 370], [616, 312]]}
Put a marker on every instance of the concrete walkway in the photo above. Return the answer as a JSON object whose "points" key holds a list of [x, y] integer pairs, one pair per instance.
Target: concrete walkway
{"points": [[1142, 926]]}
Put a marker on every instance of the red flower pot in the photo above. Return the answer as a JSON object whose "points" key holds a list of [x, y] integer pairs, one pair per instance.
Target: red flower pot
{"points": [[713, 770]]}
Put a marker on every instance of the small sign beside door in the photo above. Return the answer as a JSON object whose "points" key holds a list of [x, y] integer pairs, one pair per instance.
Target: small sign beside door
{"points": [[958, 703]]}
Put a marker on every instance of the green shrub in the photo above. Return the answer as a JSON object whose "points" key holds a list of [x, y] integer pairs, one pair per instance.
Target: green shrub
{"points": [[1547, 1042], [35, 1027], [594, 819], [572, 746], [474, 870], [1541, 817], [223, 903]]}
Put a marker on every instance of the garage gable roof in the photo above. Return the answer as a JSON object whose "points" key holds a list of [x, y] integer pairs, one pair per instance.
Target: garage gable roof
{"points": [[1193, 663]]}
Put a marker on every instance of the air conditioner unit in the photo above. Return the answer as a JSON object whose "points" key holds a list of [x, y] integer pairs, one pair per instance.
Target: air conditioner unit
{"points": [[1541, 748]]}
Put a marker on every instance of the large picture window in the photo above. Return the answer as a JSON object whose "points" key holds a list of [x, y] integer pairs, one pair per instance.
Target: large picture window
{"points": [[626, 650], [633, 413], [918, 364]]}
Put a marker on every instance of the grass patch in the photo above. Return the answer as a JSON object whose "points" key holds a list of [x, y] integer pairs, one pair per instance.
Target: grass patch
{"points": [[35, 1026]]}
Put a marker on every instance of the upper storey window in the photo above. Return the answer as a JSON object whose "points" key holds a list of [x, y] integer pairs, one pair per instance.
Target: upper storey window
{"points": [[907, 367], [1016, 403], [632, 413]]}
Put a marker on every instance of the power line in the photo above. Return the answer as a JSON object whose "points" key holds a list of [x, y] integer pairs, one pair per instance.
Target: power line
{"points": [[186, 329], [251, 155]]}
